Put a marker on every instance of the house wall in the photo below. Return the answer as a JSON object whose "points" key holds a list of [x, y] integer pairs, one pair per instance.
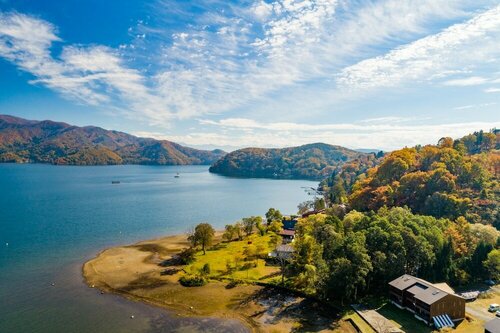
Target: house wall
{"points": [[451, 305], [396, 295]]}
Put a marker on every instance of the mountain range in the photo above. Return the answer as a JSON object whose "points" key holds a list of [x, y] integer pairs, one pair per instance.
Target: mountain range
{"points": [[29, 141]]}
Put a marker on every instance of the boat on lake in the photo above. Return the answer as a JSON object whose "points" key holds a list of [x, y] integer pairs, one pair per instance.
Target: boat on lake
{"points": [[115, 182]]}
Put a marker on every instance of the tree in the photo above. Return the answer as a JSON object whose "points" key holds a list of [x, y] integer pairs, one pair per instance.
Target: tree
{"points": [[273, 215], [230, 232], [203, 235], [275, 226], [238, 229], [249, 223], [445, 142], [476, 267], [492, 263], [305, 206]]}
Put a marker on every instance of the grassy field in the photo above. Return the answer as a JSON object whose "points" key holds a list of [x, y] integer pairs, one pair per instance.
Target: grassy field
{"points": [[238, 260], [134, 271]]}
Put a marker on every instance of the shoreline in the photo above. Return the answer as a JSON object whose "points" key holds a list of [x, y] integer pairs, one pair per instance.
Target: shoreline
{"points": [[90, 277], [133, 272]]}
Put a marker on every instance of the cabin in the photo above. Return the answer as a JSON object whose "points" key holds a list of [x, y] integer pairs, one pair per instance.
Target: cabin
{"points": [[287, 236], [432, 303], [492, 326]]}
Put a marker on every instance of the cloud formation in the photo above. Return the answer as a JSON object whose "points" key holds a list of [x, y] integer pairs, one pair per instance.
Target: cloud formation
{"points": [[363, 134], [234, 56]]}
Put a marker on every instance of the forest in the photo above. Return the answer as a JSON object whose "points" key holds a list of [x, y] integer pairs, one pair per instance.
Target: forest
{"points": [[451, 179], [431, 211], [312, 161]]}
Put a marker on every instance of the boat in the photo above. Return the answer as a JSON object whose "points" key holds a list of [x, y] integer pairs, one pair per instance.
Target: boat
{"points": [[115, 182], [177, 175]]}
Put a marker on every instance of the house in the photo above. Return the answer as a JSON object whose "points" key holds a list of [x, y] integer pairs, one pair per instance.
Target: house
{"points": [[283, 252], [432, 303], [289, 222], [492, 326], [287, 235]]}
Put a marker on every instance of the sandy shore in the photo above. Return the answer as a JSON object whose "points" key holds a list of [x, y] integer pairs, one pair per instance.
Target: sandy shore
{"points": [[134, 272]]}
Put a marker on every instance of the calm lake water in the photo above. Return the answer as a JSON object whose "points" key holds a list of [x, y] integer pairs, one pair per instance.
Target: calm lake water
{"points": [[53, 219]]}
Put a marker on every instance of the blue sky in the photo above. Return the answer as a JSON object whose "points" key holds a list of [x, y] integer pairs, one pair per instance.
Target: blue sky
{"points": [[230, 74]]}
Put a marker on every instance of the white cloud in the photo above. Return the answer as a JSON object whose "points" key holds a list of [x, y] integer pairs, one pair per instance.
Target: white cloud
{"points": [[262, 10], [227, 60], [474, 106], [93, 75], [388, 136], [468, 81], [471, 43], [492, 90]]}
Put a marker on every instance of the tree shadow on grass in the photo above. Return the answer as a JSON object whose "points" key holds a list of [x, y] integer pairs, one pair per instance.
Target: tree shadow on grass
{"points": [[144, 282], [153, 248], [404, 318]]}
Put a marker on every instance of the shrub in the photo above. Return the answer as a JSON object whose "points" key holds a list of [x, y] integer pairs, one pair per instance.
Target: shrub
{"points": [[187, 256], [205, 270], [193, 281]]}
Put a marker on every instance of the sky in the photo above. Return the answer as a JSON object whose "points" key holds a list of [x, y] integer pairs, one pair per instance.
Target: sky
{"points": [[231, 74]]}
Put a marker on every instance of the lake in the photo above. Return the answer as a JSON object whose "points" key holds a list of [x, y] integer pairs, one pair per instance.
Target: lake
{"points": [[54, 218]]}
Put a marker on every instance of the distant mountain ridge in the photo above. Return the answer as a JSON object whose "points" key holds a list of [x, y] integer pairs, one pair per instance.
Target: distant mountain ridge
{"points": [[29, 141], [312, 161]]}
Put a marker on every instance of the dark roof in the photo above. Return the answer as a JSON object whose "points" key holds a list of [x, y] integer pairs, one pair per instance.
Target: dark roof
{"points": [[289, 224], [430, 295], [493, 326], [417, 288], [405, 281], [423, 290], [285, 232]]}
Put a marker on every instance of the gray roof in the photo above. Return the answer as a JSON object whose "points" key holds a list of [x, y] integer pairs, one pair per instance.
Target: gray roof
{"points": [[406, 281], [430, 295], [423, 290], [493, 326], [417, 288]]}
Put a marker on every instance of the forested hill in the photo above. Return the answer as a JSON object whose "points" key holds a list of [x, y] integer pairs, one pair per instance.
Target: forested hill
{"points": [[27, 141], [313, 161], [451, 179]]}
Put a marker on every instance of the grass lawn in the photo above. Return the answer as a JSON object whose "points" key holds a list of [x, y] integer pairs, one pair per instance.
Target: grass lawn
{"points": [[238, 260]]}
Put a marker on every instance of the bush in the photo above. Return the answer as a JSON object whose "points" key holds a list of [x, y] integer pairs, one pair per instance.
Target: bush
{"points": [[193, 281], [187, 256], [205, 270]]}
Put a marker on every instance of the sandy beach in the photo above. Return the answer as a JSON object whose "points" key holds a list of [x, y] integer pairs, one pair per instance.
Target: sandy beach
{"points": [[134, 272]]}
